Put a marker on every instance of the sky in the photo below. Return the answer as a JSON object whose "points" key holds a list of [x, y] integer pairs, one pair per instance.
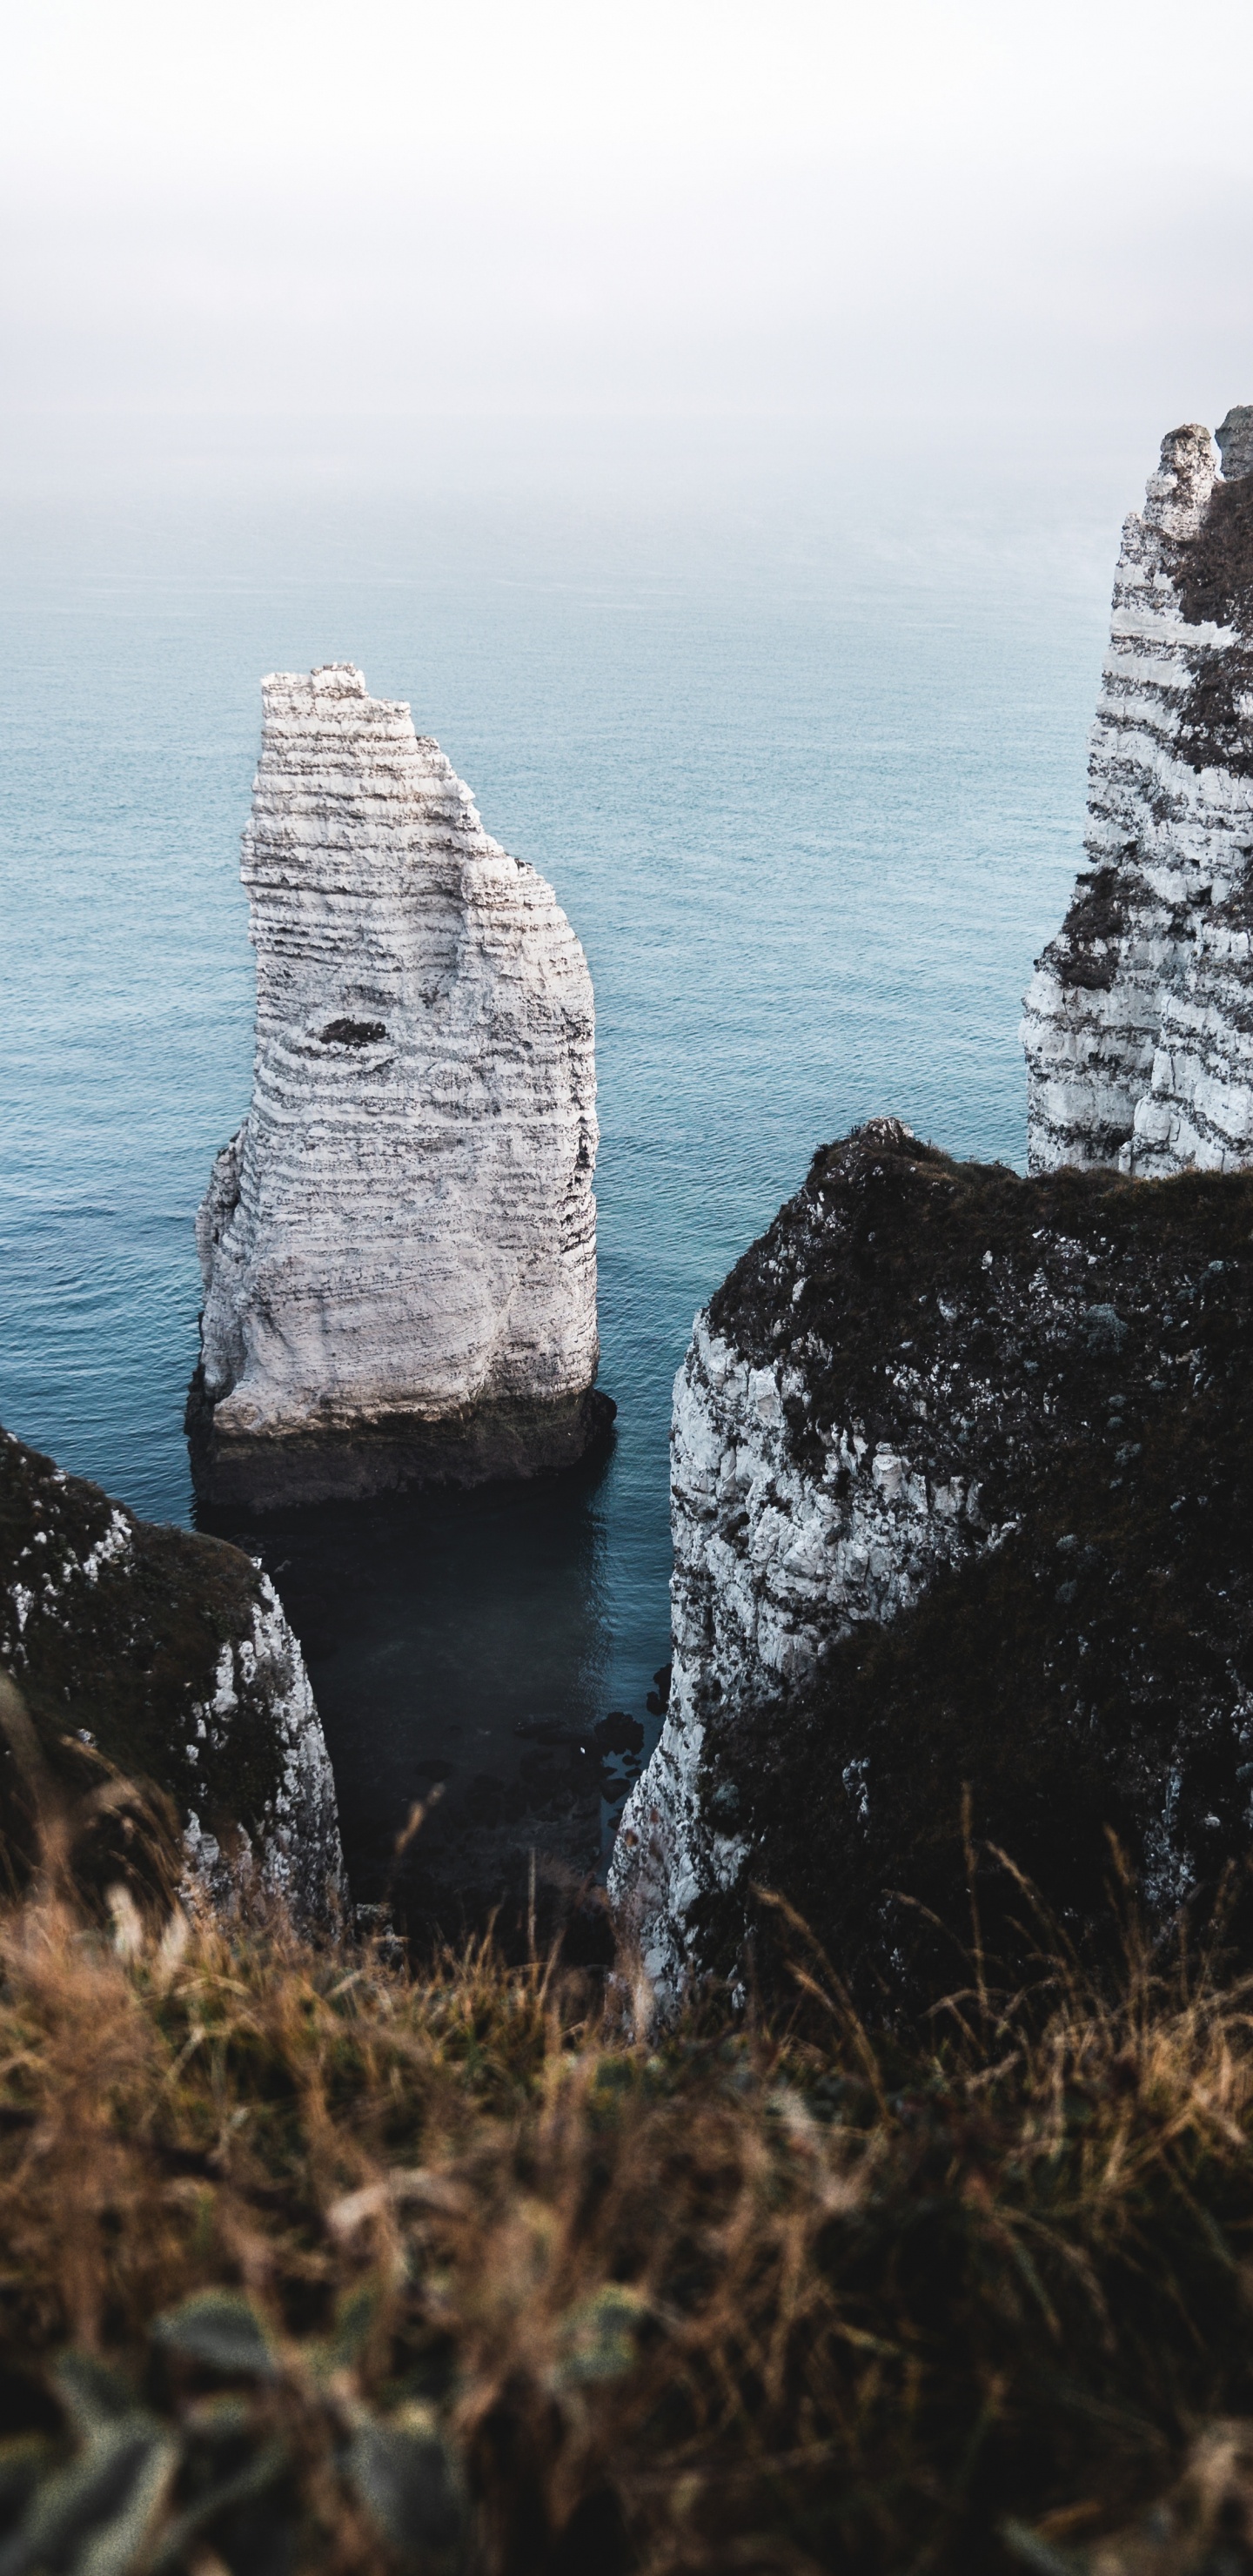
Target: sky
{"points": [[308, 239]]}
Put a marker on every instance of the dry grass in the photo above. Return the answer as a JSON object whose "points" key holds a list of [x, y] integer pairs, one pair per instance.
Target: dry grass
{"points": [[530, 2295]]}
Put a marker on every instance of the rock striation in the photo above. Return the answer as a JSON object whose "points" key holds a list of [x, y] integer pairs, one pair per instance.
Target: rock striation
{"points": [[398, 1247], [961, 1495], [169, 1656], [1138, 1022]]}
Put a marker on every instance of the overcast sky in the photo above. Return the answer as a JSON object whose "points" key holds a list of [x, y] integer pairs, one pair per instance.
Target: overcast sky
{"points": [[270, 225]]}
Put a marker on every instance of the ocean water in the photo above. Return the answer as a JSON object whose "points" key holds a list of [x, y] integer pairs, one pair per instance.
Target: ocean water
{"points": [[806, 769]]}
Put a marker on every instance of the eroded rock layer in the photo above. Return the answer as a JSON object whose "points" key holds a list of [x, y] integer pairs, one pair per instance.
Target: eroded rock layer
{"points": [[1138, 1023], [961, 1495], [169, 1656], [398, 1248]]}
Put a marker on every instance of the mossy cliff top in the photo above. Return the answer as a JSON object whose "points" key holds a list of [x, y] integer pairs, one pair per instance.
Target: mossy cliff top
{"points": [[900, 1281], [1077, 1349]]}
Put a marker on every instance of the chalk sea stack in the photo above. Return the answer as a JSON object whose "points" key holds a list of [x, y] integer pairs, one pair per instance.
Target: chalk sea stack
{"points": [[398, 1247], [962, 1494], [169, 1656], [1138, 1021]]}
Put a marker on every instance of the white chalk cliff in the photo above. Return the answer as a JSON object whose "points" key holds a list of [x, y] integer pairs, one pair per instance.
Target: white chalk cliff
{"points": [[1138, 1023], [786, 1538], [772, 1563], [398, 1247], [960, 1496], [954, 1453]]}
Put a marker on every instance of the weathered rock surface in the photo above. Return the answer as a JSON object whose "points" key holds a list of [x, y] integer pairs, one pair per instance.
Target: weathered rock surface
{"points": [[961, 1494], [1138, 1023], [169, 1655], [398, 1247]]}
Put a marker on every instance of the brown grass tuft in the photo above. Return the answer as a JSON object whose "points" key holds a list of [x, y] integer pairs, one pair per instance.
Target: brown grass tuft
{"points": [[306, 2262]]}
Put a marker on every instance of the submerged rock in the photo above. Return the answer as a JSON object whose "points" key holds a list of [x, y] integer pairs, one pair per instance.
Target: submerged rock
{"points": [[1138, 1021], [399, 1246], [962, 1494], [170, 1656]]}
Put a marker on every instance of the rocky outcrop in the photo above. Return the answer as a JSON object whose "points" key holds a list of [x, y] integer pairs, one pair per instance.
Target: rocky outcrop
{"points": [[1138, 1023], [961, 1495], [169, 1656], [398, 1247]]}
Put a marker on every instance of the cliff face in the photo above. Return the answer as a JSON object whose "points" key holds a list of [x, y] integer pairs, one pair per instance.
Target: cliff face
{"points": [[1138, 1023], [398, 1248], [170, 1656], [960, 1495]]}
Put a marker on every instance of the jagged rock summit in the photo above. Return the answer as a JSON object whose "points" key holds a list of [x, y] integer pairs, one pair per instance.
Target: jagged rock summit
{"points": [[1138, 1022], [398, 1247]]}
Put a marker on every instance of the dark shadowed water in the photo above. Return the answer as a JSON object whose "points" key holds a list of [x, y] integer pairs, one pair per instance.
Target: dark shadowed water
{"points": [[808, 778]]}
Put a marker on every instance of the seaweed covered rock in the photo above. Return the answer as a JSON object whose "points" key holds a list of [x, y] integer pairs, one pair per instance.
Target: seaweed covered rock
{"points": [[1138, 1022], [962, 1496], [399, 1245], [170, 1656]]}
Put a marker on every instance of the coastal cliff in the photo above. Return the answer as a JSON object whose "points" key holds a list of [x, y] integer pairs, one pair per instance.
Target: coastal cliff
{"points": [[1138, 1022], [169, 1656], [960, 1496], [398, 1247]]}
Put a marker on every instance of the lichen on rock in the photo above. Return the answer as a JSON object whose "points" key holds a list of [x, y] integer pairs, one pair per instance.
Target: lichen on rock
{"points": [[1138, 1024], [169, 1655], [961, 1495], [398, 1247]]}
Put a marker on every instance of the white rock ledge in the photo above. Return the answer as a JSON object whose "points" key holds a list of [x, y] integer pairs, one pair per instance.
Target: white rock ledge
{"points": [[399, 1246]]}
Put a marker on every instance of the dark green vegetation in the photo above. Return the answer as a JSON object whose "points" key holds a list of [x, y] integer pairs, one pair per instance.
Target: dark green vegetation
{"points": [[1077, 1351], [1213, 571], [1099, 912], [1213, 574]]}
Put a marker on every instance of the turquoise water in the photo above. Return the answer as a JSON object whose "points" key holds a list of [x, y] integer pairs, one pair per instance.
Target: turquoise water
{"points": [[808, 778]]}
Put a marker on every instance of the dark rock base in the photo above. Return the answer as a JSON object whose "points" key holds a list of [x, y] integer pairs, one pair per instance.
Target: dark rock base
{"points": [[487, 1442]]}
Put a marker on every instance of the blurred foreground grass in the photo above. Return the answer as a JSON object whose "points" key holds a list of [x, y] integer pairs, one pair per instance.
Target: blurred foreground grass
{"points": [[310, 2263]]}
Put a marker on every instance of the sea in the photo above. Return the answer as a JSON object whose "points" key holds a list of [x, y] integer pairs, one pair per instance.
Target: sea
{"points": [[803, 755]]}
